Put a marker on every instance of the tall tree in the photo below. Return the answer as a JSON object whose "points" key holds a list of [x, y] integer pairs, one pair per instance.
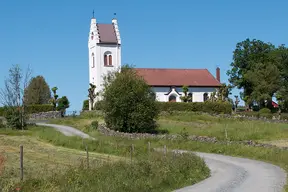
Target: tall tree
{"points": [[12, 97], [223, 92], [247, 57], [281, 55], [38, 91]]}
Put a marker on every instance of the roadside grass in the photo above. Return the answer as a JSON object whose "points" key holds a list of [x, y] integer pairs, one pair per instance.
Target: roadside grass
{"points": [[40, 158], [121, 146], [200, 124], [152, 172]]}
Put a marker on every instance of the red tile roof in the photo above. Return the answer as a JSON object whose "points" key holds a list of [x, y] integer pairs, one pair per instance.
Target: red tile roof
{"points": [[107, 33], [178, 77]]}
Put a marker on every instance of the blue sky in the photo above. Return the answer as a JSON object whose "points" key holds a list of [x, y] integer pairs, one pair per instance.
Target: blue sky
{"points": [[51, 36]]}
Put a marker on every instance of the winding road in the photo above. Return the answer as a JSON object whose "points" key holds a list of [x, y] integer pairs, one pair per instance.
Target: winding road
{"points": [[228, 174]]}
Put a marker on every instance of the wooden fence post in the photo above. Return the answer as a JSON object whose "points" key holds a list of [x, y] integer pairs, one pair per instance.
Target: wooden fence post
{"points": [[87, 155], [21, 163], [131, 152], [165, 150], [149, 147]]}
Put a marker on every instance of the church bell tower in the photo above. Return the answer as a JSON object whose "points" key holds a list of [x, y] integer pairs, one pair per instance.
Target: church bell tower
{"points": [[104, 48]]}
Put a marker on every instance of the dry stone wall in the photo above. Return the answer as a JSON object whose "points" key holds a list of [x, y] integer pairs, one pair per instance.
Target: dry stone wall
{"points": [[108, 132], [45, 115]]}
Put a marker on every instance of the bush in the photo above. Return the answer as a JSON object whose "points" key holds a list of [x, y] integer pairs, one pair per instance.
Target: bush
{"points": [[94, 124], [1, 123], [264, 111], [85, 105], [207, 107], [128, 104], [31, 109], [98, 105]]}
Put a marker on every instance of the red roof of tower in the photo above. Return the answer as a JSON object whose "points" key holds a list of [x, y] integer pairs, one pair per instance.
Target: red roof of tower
{"points": [[107, 33], [178, 77]]}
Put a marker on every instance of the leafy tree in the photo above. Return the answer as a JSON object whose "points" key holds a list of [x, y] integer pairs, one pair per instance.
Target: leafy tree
{"points": [[185, 91], [63, 104], [38, 91], [12, 97], [92, 95], [247, 57], [54, 99], [223, 92], [128, 102], [281, 55], [85, 105]]}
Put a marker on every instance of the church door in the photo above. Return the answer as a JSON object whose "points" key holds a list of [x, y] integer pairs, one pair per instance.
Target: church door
{"points": [[172, 98]]}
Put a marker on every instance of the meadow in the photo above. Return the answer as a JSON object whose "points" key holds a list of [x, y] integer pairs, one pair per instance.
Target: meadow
{"points": [[61, 163]]}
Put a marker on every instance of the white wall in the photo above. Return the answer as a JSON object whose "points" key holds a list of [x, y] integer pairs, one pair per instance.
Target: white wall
{"points": [[197, 93]]}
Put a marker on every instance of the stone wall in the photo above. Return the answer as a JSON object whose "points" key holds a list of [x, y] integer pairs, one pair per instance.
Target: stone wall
{"points": [[108, 132], [45, 115]]}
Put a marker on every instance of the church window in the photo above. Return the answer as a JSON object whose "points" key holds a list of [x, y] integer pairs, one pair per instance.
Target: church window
{"points": [[190, 97], [108, 58], [105, 60], [93, 60], [205, 96]]}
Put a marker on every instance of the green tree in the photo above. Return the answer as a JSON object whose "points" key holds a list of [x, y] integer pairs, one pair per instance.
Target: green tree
{"points": [[38, 91], [185, 97], [223, 92], [128, 102], [281, 55], [63, 104], [247, 57], [54, 99]]}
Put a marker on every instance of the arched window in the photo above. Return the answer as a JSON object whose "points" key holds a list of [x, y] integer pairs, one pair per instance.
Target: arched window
{"points": [[108, 58], [205, 96], [172, 98], [190, 97], [93, 60], [105, 60]]}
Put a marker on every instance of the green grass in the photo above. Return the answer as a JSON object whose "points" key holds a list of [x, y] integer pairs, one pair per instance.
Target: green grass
{"points": [[40, 158], [201, 124], [149, 173]]}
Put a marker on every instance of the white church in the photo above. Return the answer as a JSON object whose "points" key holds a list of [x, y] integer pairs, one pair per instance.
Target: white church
{"points": [[104, 46]]}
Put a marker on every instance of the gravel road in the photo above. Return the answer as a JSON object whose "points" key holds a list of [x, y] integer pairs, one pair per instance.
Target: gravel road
{"points": [[233, 174], [66, 130], [228, 174]]}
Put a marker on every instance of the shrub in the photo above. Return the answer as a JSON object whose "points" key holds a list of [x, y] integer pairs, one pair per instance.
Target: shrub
{"points": [[85, 105], [14, 118], [39, 108], [264, 110], [98, 105], [30, 109], [208, 107], [128, 104], [1, 123], [94, 124]]}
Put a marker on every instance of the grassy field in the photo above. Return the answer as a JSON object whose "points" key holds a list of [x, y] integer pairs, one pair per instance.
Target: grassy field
{"points": [[200, 124], [60, 161], [40, 158]]}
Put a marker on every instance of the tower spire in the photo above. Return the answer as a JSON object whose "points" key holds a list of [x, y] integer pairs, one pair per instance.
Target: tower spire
{"points": [[93, 14]]}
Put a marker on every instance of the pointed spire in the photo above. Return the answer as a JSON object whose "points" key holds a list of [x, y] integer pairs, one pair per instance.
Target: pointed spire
{"points": [[93, 14]]}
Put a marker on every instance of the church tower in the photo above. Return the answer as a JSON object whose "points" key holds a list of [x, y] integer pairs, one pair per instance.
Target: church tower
{"points": [[104, 45]]}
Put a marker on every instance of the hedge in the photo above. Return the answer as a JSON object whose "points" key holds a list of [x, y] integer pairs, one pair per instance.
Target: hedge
{"points": [[207, 107], [85, 105], [32, 109]]}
